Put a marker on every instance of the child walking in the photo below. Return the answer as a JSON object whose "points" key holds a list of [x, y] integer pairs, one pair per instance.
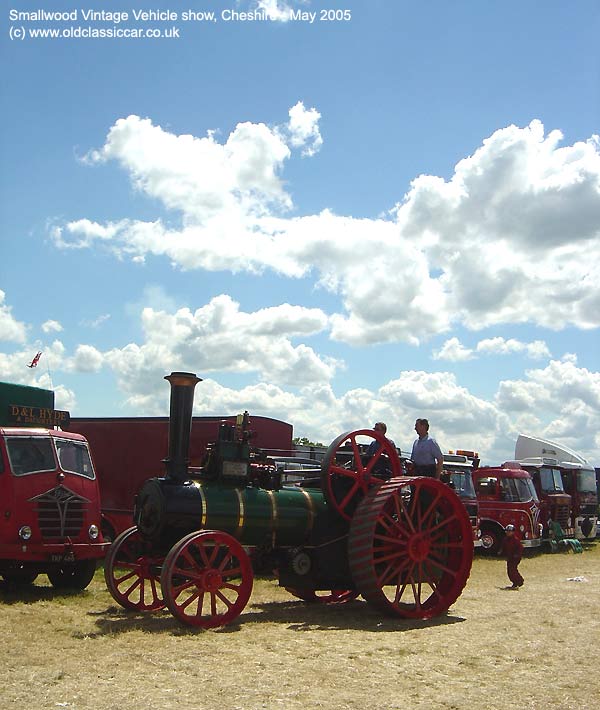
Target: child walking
{"points": [[512, 548]]}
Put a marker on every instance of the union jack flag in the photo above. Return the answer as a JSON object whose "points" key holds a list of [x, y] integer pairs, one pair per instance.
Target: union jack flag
{"points": [[35, 360]]}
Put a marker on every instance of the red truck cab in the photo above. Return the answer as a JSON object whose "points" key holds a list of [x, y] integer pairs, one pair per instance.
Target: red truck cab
{"points": [[457, 472], [555, 504], [566, 479], [506, 495], [49, 496]]}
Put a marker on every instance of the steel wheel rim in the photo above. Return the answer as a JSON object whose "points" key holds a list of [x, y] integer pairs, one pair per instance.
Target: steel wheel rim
{"points": [[207, 579], [411, 547], [358, 478], [132, 576]]}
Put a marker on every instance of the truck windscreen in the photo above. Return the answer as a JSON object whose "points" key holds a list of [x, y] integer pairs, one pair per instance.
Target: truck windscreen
{"points": [[30, 454], [74, 457], [551, 481], [586, 481]]}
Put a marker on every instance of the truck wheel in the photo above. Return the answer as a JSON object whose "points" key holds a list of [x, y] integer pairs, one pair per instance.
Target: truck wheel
{"points": [[19, 577], [491, 541], [73, 575]]}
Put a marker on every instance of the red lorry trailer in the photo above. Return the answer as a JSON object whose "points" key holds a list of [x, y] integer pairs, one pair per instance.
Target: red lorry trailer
{"points": [[129, 450], [574, 476], [506, 495], [49, 497]]}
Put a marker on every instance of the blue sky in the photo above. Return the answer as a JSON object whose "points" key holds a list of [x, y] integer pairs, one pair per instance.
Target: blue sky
{"points": [[391, 216]]}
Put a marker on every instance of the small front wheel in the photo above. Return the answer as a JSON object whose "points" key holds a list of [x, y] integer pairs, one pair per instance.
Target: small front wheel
{"points": [[207, 579], [132, 573]]}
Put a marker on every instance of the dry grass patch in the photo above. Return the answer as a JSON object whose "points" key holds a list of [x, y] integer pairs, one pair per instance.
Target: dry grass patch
{"points": [[497, 649]]}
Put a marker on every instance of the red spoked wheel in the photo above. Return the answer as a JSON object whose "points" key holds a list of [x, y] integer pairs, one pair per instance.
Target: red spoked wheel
{"points": [[335, 596], [347, 474], [411, 547], [132, 573], [207, 579]]}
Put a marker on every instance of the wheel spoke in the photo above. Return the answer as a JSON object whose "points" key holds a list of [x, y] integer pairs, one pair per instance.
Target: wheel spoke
{"points": [[347, 472], [429, 510], [348, 497], [224, 599], [406, 514], [393, 526], [430, 580], [129, 590], [441, 525], [213, 555], [192, 598], [125, 577], [357, 459], [187, 556], [434, 562], [400, 591], [392, 571], [417, 597], [225, 561]]}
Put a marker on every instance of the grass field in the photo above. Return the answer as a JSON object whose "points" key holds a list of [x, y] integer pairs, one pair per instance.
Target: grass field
{"points": [[538, 647]]}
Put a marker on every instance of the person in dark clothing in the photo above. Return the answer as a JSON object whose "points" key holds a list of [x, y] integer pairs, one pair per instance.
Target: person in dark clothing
{"points": [[512, 548], [382, 466]]}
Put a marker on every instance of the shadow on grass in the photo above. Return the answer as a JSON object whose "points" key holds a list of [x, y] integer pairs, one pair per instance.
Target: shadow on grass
{"points": [[11, 593], [294, 615], [357, 615]]}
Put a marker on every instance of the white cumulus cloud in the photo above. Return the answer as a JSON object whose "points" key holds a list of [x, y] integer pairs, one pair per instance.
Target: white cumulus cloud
{"points": [[52, 326], [511, 237], [10, 328]]}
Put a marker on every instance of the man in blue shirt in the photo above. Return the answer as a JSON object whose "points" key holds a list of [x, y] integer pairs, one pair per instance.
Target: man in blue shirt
{"points": [[426, 455]]}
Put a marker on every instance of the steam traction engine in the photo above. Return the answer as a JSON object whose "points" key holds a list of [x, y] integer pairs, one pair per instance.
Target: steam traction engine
{"points": [[403, 543]]}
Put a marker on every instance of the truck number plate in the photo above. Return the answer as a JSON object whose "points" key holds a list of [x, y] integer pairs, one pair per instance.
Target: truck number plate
{"points": [[62, 557]]}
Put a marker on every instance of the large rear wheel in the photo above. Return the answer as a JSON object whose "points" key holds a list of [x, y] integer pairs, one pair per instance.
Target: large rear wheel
{"points": [[411, 547]]}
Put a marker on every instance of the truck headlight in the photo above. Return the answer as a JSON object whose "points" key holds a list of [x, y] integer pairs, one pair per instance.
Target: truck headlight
{"points": [[93, 532], [25, 532]]}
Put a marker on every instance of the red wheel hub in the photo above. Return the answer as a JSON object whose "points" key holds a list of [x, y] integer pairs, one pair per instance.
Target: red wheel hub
{"points": [[211, 580], [418, 547]]}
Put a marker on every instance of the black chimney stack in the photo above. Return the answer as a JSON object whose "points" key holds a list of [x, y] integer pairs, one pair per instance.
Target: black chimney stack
{"points": [[180, 423]]}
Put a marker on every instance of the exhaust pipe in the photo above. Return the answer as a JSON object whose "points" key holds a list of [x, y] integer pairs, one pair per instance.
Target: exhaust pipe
{"points": [[180, 424]]}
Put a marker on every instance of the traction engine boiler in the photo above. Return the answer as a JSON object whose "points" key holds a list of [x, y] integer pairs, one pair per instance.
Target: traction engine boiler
{"points": [[403, 543]]}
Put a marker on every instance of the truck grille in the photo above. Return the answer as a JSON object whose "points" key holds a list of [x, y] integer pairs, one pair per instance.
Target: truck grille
{"points": [[561, 514], [60, 513]]}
